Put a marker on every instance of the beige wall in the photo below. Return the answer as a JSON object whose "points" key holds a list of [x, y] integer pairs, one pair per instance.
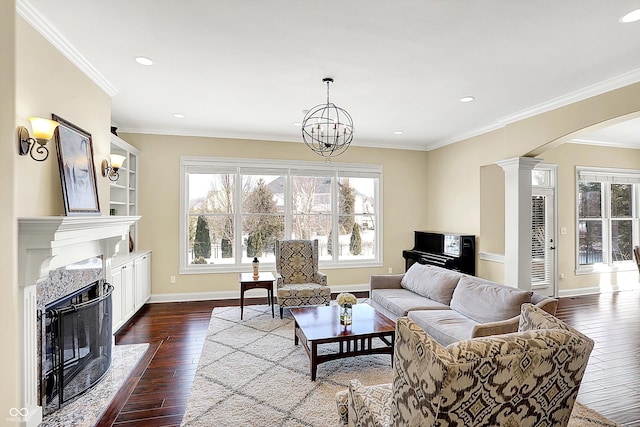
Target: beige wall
{"points": [[37, 80], [46, 83], [405, 202], [567, 157], [455, 204], [10, 357]]}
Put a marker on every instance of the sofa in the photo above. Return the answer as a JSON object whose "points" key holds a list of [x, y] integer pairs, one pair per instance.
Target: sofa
{"points": [[452, 306], [526, 378]]}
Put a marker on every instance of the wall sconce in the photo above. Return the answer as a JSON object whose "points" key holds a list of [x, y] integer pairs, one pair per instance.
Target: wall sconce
{"points": [[42, 131], [111, 170]]}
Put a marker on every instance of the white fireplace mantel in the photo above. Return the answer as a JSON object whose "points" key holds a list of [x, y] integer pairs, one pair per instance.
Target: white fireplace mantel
{"points": [[47, 243]]}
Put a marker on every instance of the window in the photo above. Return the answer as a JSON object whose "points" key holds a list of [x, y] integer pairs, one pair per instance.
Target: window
{"points": [[235, 209], [607, 208]]}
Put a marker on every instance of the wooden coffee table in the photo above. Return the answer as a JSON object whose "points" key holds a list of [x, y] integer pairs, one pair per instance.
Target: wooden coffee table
{"points": [[321, 325]]}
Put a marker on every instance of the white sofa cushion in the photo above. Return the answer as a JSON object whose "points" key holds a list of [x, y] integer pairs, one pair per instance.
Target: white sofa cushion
{"points": [[401, 301], [485, 301], [432, 282], [446, 327]]}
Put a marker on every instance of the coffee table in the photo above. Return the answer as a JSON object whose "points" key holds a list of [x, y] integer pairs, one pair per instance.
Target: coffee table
{"points": [[315, 326]]}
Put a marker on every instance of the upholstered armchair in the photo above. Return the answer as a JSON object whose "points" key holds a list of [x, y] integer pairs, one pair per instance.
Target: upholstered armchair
{"points": [[298, 280], [526, 378]]}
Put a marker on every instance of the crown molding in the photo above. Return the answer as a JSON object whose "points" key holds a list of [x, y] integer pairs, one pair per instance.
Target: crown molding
{"points": [[48, 31], [605, 86]]}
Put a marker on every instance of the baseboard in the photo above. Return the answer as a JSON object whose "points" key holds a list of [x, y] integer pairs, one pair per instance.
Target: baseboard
{"points": [[222, 295], [565, 293]]}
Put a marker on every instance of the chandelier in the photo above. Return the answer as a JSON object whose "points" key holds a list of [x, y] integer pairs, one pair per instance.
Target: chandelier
{"points": [[327, 129]]}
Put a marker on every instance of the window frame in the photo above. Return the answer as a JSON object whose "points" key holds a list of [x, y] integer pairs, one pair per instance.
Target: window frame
{"points": [[287, 168], [607, 176]]}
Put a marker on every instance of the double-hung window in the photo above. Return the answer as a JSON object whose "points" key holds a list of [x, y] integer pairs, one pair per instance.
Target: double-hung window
{"points": [[233, 210], [608, 225]]}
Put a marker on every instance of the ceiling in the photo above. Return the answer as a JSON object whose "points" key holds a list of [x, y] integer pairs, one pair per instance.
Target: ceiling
{"points": [[249, 68]]}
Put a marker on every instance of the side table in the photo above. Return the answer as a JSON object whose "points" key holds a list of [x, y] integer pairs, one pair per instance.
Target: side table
{"points": [[263, 281]]}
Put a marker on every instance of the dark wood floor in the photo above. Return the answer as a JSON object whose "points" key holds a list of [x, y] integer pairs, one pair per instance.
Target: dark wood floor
{"points": [[157, 391]]}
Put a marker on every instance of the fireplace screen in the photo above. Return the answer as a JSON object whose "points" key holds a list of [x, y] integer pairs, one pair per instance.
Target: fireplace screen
{"points": [[77, 344]]}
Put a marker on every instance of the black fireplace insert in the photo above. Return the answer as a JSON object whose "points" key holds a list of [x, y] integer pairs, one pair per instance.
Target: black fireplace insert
{"points": [[77, 344]]}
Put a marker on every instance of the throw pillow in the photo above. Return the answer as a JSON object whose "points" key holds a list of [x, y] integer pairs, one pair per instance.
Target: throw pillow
{"points": [[432, 282], [485, 301]]}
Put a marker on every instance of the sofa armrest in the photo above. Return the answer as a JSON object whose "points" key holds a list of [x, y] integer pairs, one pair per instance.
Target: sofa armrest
{"points": [[548, 304], [369, 406], [496, 328], [321, 278], [385, 281]]}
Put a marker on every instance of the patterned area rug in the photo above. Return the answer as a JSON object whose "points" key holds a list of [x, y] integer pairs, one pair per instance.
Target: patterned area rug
{"points": [[251, 374]]}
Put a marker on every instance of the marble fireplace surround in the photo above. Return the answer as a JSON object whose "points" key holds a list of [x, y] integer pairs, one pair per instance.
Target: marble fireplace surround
{"points": [[44, 245]]}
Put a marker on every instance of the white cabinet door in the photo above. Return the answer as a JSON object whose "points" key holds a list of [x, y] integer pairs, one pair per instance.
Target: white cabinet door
{"points": [[116, 297], [128, 289], [142, 267]]}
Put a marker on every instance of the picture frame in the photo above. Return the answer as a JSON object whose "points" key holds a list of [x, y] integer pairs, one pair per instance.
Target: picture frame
{"points": [[77, 172]]}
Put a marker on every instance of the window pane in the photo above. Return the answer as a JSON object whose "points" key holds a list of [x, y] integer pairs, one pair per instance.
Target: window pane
{"points": [[541, 177], [356, 219], [259, 234], [590, 242], [310, 194], [589, 200], [621, 241], [262, 194], [359, 242], [314, 227], [209, 193], [210, 239], [262, 216], [621, 200]]}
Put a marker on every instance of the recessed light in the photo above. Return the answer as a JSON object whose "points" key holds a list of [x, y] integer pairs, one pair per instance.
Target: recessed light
{"points": [[178, 115], [398, 132], [632, 16], [143, 60], [467, 99]]}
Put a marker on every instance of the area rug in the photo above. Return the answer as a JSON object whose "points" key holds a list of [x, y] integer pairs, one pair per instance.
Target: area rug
{"points": [[250, 373]]}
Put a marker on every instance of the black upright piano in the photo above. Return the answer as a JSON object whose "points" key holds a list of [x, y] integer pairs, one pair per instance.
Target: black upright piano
{"points": [[448, 250]]}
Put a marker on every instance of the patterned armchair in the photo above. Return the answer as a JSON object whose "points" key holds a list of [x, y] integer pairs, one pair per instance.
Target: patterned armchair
{"points": [[298, 280], [526, 378]]}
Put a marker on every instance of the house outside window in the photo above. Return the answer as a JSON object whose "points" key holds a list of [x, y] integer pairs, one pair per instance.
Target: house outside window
{"points": [[607, 219], [235, 209]]}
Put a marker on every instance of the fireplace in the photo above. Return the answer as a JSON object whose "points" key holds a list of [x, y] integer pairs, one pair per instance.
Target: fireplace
{"points": [[77, 343], [58, 258]]}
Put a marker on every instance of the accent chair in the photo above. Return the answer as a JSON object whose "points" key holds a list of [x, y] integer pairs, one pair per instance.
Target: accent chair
{"points": [[525, 378], [297, 277]]}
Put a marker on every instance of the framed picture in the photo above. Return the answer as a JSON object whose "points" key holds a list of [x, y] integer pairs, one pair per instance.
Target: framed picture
{"points": [[77, 174]]}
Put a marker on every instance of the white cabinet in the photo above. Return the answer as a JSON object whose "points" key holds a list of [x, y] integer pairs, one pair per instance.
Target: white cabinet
{"points": [[131, 280], [142, 269], [123, 200]]}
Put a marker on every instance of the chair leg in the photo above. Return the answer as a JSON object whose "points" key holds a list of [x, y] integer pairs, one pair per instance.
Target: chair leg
{"points": [[281, 312]]}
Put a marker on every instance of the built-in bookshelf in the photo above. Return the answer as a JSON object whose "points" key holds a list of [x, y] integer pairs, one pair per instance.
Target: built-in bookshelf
{"points": [[123, 200]]}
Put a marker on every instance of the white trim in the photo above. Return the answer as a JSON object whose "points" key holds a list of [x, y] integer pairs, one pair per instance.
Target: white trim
{"points": [[492, 257], [565, 293], [605, 86], [192, 164], [49, 32]]}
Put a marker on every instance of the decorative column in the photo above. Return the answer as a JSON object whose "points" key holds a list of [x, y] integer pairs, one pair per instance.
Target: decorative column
{"points": [[517, 220]]}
